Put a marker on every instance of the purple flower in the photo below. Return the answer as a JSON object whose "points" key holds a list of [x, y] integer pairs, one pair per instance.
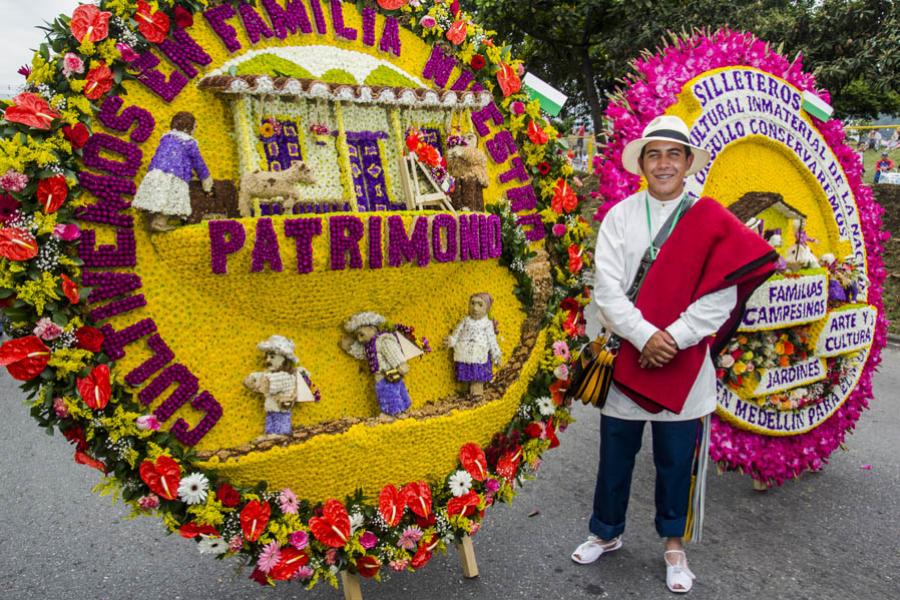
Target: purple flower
{"points": [[67, 232], [559, 229], [127, 52], [491, 485], [299, 540], [368, 540]]}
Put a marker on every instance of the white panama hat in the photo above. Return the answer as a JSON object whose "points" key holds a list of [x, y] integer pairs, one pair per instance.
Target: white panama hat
{"points": [[663, 129], [279, 345], [363, 319]]}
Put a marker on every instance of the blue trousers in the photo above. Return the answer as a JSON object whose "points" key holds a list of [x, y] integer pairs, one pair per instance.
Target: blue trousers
{"points": [[674, 444]]}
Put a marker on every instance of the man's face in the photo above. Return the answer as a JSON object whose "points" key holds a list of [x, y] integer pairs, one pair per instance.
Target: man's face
{"points": [[664, 164]]}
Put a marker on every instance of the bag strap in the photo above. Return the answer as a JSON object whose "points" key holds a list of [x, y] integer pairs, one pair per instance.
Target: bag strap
{"points": [[658, 241]]}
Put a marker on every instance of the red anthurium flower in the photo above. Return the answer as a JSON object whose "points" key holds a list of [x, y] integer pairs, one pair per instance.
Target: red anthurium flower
{"points": [[390, 505], [508, 79], [153, 25], [291, 561], [162, 476], [254, 518], [52, 192], [575, 260], [333, 527], [70, 289], [464, 505], [429, 155], [95, 389], [99, 81], [183, 18], [457, 32], [228, 496], [368, 565], [564, 198], [551, 435], [82, 458], [25, 358], [392, 4], [418, 497], [89, 22], [192, 530], [478, 62], [472, 459], [32, 110], [534, 430], [508, 463], [536, 134], [89, 338], [424, 553], [558, 391], [413, 141], [75, 435], [77, 134], [260, 577], [17, 244]]}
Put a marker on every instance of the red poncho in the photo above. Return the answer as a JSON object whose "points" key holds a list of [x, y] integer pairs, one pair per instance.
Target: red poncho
{"points": [[709, 250]]}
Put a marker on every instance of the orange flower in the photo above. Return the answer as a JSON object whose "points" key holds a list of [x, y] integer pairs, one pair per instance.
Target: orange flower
{"points": [[457, 32], [32, 110], [88, 22], [784, 361], [508, 79], [564, 198], [536, 134], [99, 81]]}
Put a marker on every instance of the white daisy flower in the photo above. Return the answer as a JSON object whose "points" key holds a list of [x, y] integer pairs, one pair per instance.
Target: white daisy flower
{"points": [[545, 406], [212, 545], [356, 521], [460, 483], [192, 488]]}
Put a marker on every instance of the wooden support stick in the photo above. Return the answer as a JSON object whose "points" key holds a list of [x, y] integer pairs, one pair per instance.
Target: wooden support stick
{"points": [[760, 486], [467, 557], [350, 583]]}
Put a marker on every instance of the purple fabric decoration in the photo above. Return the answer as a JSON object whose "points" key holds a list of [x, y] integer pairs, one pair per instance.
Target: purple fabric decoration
{"points": [[304, 230], [402, 249], [155, 81], [522, 198], [501, 146], [109, 284], [390, 36], [130, 116], [376, 254], [469, 244], [463, 81], [372, 354], [187, 382], [537, 232], [291, 18], [117, 307], [321, 26], [345, 233], [491, 236], [122, 254], [477, 87], [182, 50], [109, 192], [368, 21], [448, 223], [488, 113], [162, 355], [220, 247], [836, 292], [179, 157], [393, 398], [265, 248], [216, 18], [283, 148], [279, 422], [255, 27], [517, 171], [474, 371], [367, 171], [337, 20], [439, 67], [131, 154], [204, 402], [114, 342]]}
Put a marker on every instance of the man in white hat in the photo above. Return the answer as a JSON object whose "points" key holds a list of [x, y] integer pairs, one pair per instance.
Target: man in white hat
{"points": [[664, 156]]}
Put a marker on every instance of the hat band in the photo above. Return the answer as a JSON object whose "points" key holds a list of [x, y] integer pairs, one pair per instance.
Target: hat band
{"points": [[670, 133]]}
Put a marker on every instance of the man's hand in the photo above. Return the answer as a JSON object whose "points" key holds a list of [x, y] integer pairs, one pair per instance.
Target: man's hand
{"points": [[659, 350]]}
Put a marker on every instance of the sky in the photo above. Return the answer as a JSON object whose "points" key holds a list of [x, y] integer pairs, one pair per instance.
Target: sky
{"points": [[18, 34]]}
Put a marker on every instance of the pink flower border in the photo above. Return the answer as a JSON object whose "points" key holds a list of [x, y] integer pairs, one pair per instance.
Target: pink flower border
{"points": [[652, 88]]}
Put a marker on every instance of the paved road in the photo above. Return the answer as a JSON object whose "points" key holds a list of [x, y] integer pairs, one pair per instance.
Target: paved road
{"points": [[831, 535]]}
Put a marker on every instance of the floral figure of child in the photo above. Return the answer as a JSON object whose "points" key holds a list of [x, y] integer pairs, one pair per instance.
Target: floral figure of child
{"points": [[365, 340], [474, 343], [283, 384], [164, 191]]}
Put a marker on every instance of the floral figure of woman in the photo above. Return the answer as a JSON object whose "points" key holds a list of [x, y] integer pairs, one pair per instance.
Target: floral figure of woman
{"points": [[283, 384], [368, 340], [164, 191], [474, 344]]}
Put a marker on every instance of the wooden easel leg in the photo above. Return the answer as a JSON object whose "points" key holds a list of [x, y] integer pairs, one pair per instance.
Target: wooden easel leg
{"points": [[467, 557], [350, 583], [760, 486]]}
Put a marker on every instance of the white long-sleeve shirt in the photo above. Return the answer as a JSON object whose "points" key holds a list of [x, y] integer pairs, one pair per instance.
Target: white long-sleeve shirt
{"points": [[621, 243]]}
